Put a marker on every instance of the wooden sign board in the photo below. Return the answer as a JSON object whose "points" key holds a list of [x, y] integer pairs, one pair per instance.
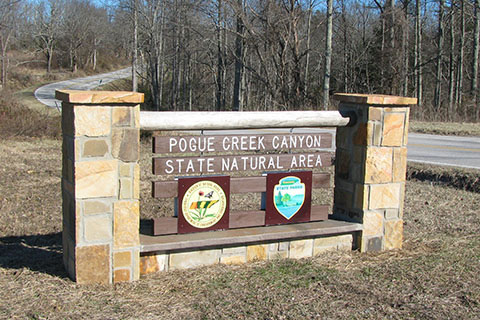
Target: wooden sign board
{"points": [[203, 204], [288, 197], [235, 143], [247, 162]]}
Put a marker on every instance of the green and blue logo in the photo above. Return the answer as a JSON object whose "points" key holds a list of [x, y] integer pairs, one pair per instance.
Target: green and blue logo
{"points": [[289, 196]]}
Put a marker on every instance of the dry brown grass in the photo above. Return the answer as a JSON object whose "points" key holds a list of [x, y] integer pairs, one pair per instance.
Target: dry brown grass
{"points": [[435, 276], [16, 119], [445, 128]]}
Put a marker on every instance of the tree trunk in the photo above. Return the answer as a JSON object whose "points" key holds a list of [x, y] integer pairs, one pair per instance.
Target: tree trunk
{"points": [[307, 56], [438, 78], [418, 53], [459, 89], [328, 55], [239, 60], [451, 71], [476, 35], [134, 47]]}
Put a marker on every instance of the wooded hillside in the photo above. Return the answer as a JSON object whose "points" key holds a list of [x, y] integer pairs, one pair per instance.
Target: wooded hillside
{"points": [[259, 54]]}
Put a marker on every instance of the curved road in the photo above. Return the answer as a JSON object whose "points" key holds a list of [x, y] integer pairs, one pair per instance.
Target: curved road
{"points": [[46, 94], [425, 148]]}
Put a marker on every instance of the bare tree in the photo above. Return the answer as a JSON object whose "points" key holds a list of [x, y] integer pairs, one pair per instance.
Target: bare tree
{"points": [[47, 27], [437, 99], [328, 55], [8, 16]]}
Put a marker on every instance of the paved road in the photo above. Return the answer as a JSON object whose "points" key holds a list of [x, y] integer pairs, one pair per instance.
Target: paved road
{"points": [[444, 150], [46, 93], [424, 148]]}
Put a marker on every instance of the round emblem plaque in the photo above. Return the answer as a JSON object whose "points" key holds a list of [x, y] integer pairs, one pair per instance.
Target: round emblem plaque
{"points": [[204, 204]]}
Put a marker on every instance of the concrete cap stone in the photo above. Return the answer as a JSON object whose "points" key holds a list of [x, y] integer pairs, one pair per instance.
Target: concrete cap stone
{"points": [[99, 97], [374, 99]]}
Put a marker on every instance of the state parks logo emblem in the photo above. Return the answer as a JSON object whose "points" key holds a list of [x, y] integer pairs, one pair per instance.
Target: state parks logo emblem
{"points": [[204, 205], [289, 197]]}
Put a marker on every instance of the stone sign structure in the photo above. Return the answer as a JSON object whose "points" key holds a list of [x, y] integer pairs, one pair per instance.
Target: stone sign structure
{"points": [[101, 181]]}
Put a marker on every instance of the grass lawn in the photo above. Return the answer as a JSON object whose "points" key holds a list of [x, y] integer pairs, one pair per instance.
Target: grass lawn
{"points": [[436, 275]]}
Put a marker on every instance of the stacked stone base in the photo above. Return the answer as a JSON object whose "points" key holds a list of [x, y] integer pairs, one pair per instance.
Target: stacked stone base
{"points": [[151, 262]]}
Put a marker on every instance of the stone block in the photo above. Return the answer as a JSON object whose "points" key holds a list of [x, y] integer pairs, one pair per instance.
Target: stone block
{"points": [[126, 191], [393, 234], [233, 259], [363, 135], [67, 119], [126, 144], [341, 242], [126, 224], [96, 179], [375, 114], [96, 207], [284, 246], [93, 264], [136, 116], [277, 255], [273, 247], [122, 259], [385, 196], [136, 181], [92, 121], [342, 164], [407, 124], [257, 252], [121, 275], [378, 167], [136, 264], [124, 170], [372, 223], [373, 244], [399, 164], [341, 137], [301, 249], [121, 116], [186, 260], [343, 198], [377, 134], [98, 228], [95, 148], [391, 214], [153, 263], [358, 154], [361, 196], [393, 129]]}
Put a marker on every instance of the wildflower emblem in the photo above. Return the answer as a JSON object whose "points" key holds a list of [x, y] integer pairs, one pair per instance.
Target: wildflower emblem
{"points": [[204, 204]]}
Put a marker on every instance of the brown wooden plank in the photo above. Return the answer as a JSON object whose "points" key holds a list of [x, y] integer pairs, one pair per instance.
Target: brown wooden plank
{"points": [[237, 163], [244, 219], [169, 189], [321, 180], [247, 142], [246, 235], [165, 225], [319, 213]]}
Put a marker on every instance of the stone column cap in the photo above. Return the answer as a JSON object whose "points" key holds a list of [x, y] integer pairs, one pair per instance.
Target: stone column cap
{"points": [[99, 97], [374, 99]]}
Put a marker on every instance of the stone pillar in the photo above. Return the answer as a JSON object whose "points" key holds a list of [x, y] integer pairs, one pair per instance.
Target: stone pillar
{"points": [[100, 185], [370, 168]]}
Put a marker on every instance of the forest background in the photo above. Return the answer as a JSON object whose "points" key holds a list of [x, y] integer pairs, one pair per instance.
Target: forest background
{"points": [[256, 54]]}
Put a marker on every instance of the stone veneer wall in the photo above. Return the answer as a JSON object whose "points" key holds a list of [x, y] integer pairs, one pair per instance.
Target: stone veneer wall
{"points": [[100, 185], [293, 249], [370, 169]]}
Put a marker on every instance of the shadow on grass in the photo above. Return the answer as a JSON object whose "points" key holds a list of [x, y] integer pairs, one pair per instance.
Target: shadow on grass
{"points": [[42, 253]]}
